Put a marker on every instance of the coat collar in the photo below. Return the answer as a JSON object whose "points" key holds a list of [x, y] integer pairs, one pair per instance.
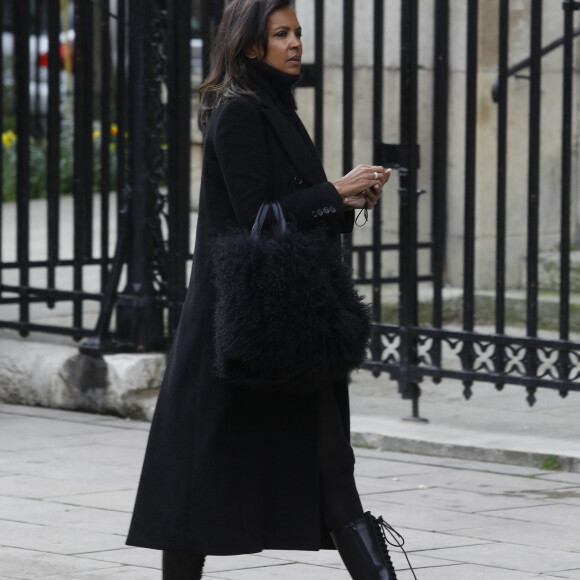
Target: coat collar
{"points": [[299, 148], [273, 89]]}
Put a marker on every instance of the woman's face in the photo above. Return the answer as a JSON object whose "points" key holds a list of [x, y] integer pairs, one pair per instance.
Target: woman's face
{"points": [[284, 41]]}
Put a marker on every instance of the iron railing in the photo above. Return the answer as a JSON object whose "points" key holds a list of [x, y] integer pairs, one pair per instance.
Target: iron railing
{"points": [[411, 352], [58, 131], [143, 170]]}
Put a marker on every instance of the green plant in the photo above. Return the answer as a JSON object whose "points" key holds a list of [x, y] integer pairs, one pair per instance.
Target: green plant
{"points": [[38, 163], [9, 165], [550, 463], [97, 139]]}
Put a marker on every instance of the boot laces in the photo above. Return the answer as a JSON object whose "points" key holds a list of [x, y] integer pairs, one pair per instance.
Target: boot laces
{"points": [[390, 536]]}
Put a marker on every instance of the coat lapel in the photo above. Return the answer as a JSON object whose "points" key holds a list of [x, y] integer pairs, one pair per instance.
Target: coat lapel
{"points": [[304, 156]]}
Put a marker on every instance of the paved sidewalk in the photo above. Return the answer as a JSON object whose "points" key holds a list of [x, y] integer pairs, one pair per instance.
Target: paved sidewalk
{"points": [[67, 485], [491, 426]]}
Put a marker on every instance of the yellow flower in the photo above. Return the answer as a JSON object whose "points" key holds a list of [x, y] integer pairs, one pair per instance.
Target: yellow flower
{"points": [[8, 138], [96, 135], [114, 130]]}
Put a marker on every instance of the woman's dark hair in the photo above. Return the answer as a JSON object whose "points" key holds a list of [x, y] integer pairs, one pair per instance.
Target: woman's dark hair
{"points": [[244, 25]]}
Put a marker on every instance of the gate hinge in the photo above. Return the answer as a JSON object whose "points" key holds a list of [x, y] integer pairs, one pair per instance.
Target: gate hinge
{"points": [[570, 5], [391, 155]]}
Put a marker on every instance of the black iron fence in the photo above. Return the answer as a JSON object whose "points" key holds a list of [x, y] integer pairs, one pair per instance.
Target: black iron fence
{"points": [[91, 87], [411, 351], [126, 127]]}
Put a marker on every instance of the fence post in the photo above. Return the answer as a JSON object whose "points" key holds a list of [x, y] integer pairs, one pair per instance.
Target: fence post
{"points": [[408, 204], [22, 75], [564, 364], [139, 317], [153, 238], [439, 166]]}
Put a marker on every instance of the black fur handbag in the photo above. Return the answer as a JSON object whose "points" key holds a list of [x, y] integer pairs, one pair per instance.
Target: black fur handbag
{"points": [[287, 314]]}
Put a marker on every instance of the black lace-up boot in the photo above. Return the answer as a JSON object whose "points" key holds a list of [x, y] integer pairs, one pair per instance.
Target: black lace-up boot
{"points": [[182, 565], [362, 545]]}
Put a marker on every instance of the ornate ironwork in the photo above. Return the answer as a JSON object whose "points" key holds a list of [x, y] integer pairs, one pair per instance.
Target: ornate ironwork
{"points": [[557, 362], [156, 84]]}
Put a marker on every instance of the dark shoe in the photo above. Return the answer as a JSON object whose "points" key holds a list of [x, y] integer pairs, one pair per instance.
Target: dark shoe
{"points": [[182, 565], [362, 545]]}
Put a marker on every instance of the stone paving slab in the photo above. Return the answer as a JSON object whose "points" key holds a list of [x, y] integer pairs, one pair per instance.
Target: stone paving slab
{"points": [[47, 513], [112, 456], [328, 558], [379, 468], [556, 513], [427, 518], [418, 540], [555, 537], [461, 479], [65, 509], [466, 501], [512, 557], [471, 572], [284, 570], [573, 478], [119, 573], [54, 539], [25, 564], [32, 487], [450, 462], [80, 471], [101, 436], [249, 562], [127, 556], [118, 500]]}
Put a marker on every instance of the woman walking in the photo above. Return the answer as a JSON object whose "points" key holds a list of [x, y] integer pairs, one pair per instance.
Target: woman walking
{"points": [[228, 470]]}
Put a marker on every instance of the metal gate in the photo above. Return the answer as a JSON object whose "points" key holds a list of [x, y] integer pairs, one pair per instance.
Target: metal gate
{"points": [[131, 69], [109, 157]]}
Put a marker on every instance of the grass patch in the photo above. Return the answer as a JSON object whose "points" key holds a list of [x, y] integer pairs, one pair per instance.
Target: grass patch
{"points": [[550, 463]]}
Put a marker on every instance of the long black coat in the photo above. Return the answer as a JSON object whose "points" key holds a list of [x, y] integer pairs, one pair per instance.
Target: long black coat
{"points": [[228, 471]]}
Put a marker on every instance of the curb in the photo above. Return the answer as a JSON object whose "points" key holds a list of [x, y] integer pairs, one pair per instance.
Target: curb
{"points": [[520, 458]]}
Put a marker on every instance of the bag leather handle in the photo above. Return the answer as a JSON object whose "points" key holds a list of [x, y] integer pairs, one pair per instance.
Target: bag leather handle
{"points": [[265, 208]]}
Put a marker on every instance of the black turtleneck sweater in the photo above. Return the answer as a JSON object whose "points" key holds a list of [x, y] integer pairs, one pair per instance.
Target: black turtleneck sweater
{"points": [[277, 84]]}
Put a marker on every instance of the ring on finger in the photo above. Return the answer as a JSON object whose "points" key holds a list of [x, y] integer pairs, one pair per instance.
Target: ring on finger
{"points": [[376, 175]]}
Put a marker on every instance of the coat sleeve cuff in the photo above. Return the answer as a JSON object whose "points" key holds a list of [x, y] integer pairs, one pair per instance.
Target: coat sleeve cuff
{"points": [[314, 203]]}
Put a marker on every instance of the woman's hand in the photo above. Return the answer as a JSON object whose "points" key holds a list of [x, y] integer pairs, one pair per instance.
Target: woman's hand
{"points": [[360, 189]]}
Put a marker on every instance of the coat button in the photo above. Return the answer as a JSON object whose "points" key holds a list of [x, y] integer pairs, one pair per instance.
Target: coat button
{"points": [[326, 210], [320, 212], [298, 181], [314, 213], [332, 209]]}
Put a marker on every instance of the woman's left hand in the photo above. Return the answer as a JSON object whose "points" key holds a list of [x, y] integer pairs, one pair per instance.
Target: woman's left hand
{"points": [[367, 198]]}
